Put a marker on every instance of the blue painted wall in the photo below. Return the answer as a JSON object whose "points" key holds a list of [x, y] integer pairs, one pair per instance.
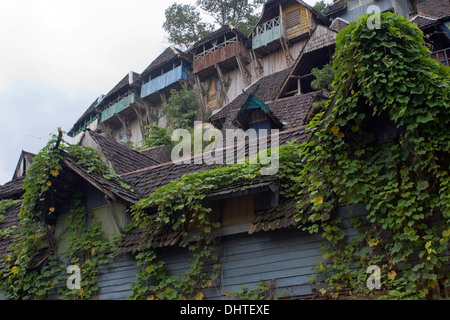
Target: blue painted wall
{"points": [[401, 7], [286, 256], [115, 278], [165, 80]]}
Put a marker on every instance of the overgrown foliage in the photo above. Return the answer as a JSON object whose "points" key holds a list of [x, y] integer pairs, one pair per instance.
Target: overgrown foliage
{"points": [[6, 205], [175, 207], [323, 81], [323, 78], [182, 107], [404, 182], [180, 206], [157, 136], [25, 276]]}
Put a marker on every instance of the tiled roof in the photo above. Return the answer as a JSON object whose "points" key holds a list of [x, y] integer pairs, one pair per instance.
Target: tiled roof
{"points": [[294, 111], [122, 158], [282, 216], [167, 55], [111, 187], [291, 111], [160, 154], [124, 83], [269, 87], [135, 240], [424, 22], [12, 189], [146, 181], [219, 32], [434, 8], [336, 7]]}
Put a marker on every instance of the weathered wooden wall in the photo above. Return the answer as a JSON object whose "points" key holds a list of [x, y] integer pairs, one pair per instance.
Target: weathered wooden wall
{"points": [[303, 25], [116, 277], [220, 55], [285, 256]]}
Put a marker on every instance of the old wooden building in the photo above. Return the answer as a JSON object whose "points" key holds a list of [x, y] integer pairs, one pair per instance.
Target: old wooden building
{"points": [[256, 81]]}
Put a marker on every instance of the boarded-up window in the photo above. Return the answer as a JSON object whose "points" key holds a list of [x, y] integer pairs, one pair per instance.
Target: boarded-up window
{"points": [[292, 18], [105, 218], [238, 211]]}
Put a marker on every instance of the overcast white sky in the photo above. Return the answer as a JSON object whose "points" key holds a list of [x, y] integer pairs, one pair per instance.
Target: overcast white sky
{"points": [[58, 56]]}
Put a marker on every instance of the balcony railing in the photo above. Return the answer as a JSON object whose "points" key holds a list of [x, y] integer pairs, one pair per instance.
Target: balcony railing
{"points": [[221, 54], [118, 105], [85, 124], [163, 81], [268, 32], [442, 56]]}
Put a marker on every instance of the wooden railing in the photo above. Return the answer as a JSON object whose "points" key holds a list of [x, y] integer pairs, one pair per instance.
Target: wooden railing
{"points": [[267, 32], [164, 80], [216, 45], [121, 103]]}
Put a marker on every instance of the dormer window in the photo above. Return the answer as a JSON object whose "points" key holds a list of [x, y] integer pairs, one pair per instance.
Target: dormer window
{"points": [[255, 114]]}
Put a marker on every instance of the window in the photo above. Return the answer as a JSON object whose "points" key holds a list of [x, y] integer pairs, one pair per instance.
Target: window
{"points": [[292, 18], [258, 126], [353, 4]]}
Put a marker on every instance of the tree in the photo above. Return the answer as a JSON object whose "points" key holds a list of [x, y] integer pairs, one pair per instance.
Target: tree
{"points": [[184, 25], [320, 6], [182, 108], [157, 136], [323, 81], [240, 13]]}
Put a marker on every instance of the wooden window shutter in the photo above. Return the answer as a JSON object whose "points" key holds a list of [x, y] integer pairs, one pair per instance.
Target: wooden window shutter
{"points": [[292, 18]]}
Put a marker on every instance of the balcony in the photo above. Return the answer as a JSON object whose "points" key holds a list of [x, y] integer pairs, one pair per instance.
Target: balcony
{"points": [[117, 106], [267, 33], [442, 56], [164, 80]]}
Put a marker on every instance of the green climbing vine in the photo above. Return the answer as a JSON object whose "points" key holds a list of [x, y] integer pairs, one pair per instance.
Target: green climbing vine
{"points": [[382, 76], [24, 275], [404, 182], [5, 205], [87, 249], [181, 206]]}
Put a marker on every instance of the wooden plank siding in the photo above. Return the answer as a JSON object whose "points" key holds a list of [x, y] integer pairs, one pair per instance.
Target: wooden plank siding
{"points": [[225, 56], [285, 256], [302, 25], [115, 278]]}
